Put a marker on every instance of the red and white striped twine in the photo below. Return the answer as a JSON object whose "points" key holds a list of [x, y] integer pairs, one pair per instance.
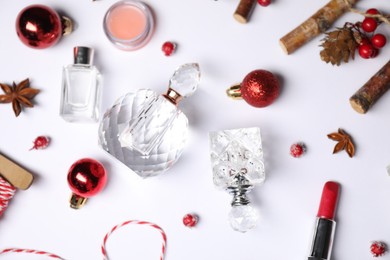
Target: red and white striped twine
{"points": [[29, 251], [135, 222], [7, 191], [103, 248]]}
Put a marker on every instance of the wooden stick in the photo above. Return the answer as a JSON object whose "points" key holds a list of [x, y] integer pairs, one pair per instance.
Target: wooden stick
{"points": [[316, 24], [244, 10], [14, 174], [375, 87]]}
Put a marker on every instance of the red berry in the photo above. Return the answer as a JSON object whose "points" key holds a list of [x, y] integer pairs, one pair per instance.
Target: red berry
{"points": [[190, 220], [297, 150], [168, 48], [378, 40], [264, 2], [378, 248], [366, 51], [41, 142], [369, 24], [372, 11]]}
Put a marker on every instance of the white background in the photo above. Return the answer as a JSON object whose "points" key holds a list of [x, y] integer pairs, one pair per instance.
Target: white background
{"points": [[313, 103]]}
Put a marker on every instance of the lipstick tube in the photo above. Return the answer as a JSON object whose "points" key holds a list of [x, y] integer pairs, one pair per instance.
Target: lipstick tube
{"points": [[322, 241]]}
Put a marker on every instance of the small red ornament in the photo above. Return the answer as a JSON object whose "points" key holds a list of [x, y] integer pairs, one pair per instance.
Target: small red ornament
{"points": [[378, 40], [259, 88], [168, 48], [190, 220], [372, 11], [367, 51], [41, 142], [39, 26], [297, 149], [86, 178], [264, 2], [378, 248], [369, 24]]}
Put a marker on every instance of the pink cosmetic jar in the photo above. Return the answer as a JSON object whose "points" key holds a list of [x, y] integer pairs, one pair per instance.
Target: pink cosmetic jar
{"points": [[129, 24]]}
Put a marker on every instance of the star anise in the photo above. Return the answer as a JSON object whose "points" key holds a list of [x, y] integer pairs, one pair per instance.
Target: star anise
{"points": [[344, 142], [20, 95]]}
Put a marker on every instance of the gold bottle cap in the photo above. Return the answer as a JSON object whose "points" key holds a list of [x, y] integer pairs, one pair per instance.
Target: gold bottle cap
{"points": [[77, 201], [234, 91], [173, 96], [67, 25]]}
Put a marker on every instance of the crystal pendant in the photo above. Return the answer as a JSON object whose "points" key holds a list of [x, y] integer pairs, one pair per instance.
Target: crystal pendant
{"points": [[237, 164], [146, 131]]}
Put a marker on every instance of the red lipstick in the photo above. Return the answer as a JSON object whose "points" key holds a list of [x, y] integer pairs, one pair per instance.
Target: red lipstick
{"points": [[322, 241]]}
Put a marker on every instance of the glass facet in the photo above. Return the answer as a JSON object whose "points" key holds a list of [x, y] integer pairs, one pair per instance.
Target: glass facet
{"points": [[237, 155], [185, 79], [243, 218]]}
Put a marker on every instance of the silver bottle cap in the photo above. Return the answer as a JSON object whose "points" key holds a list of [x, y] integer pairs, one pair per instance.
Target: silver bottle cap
{"points": [[83, 55]]}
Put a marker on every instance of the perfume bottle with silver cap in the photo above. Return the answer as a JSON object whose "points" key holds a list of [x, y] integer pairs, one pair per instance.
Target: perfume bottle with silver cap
{"points": [[145, 130], [238, 166], [81, 88]]}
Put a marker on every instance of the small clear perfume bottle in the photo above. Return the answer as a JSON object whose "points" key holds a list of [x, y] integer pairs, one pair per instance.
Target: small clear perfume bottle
{"points": [[81, 88], [238, 166], [145, 130]]}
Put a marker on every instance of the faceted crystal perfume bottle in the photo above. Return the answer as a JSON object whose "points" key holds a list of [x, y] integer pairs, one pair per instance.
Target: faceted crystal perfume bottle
{"points": [[146, 131], [81, 88], [237, 164]]}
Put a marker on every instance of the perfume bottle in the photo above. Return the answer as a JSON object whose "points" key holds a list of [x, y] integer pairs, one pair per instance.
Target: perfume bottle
{"points": [[81, 88], [238, 166], [145, 130]]}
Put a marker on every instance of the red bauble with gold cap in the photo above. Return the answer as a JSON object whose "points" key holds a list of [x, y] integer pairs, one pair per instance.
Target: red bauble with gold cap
{"points": [[260, 88], [86, 178], [39, 26]]}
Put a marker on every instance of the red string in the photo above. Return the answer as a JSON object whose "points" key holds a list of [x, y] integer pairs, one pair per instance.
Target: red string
{"points": [[103, 247], [29, 251], [136, 222]]}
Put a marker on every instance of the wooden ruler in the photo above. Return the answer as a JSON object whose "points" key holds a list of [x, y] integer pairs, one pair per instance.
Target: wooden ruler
{"points": [[15, 174]]}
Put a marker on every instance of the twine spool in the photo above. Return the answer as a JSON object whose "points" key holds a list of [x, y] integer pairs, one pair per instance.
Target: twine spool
{"points": [[7, 191]]}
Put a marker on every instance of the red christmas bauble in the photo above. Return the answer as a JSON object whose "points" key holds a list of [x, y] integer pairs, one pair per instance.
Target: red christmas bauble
{"points": [[39, 26], [260, 88], [87, 177]]}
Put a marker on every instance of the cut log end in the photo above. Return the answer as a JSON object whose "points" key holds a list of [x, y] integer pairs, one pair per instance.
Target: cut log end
{"points": [[359, 104], [283, 46], [239, 18]]}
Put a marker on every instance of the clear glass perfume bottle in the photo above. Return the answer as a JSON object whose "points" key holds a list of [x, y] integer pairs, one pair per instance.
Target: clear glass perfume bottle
{"points": [[145, 130], [81, 88], [237, 163]]}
